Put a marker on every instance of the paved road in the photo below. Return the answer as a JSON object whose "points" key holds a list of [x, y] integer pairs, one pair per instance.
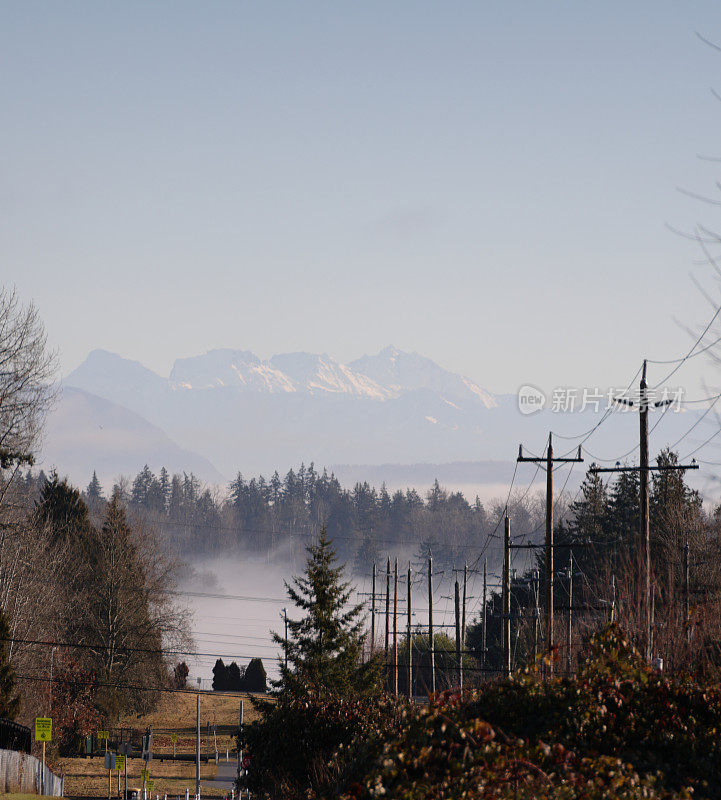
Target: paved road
{"points": [[225, 779]]}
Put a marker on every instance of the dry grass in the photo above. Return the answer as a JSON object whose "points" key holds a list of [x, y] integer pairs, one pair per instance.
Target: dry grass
{"points": [[178, 711], [87, 777], [18, 796]]}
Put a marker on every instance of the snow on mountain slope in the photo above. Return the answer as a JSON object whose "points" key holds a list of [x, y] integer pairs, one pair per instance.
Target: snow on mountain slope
{"points": [[239, 368], [381, 377], [323, 374], [399, 371], [240, 411]]}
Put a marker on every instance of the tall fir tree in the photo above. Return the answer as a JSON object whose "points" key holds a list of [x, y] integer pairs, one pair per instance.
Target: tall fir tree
{"points": [[588, 526], [325, 645], [94, 493], [676, 513], [61, 507], [623, 518]]}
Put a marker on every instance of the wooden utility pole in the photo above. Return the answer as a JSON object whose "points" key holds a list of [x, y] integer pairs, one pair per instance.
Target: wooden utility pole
{"points": [[463, 617], [686, 594], [483, 628], [409, 645], [569, 620], [240, 751], [506, 597], [549, 461], [395, 630], [459, 668], [645, 531], [644, 527], [431, 640], [388, 600], [285, 649], [463, 606], [373, 609], [197, 745], [535, 615]]}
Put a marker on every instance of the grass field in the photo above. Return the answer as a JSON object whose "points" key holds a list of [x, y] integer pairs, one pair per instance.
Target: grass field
{"points": [[87, 777]]}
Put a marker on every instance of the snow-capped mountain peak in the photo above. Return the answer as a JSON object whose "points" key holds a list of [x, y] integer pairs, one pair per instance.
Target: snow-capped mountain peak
{"points": [[233, 368], [385, 376], [399, 371], [321, 374]]}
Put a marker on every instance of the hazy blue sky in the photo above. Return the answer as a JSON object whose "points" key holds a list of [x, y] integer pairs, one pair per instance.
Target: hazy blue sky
{"points": [[484, 182]]}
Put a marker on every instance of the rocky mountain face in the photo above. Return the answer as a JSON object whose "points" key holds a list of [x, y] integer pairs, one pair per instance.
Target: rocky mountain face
{"points": [[229, 410], [242, 412]]}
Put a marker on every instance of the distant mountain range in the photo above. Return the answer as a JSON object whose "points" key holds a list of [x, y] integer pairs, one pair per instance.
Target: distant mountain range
{"points": [[229, 410]]}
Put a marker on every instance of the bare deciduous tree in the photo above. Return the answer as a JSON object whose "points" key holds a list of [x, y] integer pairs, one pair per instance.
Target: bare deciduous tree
{"points": [[27, 369]]}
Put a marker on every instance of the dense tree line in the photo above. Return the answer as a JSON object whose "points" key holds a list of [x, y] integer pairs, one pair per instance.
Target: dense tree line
{"points": [[277, 517], [600, 532], [232, 678], [95, 584]]}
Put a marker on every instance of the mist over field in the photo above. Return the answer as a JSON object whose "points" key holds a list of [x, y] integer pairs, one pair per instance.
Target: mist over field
{"points": [[239, 627], [235, 629]]}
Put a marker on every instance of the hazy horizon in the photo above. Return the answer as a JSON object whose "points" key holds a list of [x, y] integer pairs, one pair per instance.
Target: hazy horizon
{"points": [[478, 184]]}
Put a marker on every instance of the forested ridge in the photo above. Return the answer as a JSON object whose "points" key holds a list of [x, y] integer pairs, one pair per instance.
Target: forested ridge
{"points": [[269, 516]]}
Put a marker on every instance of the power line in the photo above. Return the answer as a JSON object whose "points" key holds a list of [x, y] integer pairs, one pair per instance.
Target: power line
{"points": [[134, 687], [690, 354], [120, 650]]}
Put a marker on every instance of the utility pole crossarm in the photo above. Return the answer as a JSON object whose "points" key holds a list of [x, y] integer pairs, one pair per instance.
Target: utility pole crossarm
{"points": [[550, 547], [544, 459], [644, 468]]}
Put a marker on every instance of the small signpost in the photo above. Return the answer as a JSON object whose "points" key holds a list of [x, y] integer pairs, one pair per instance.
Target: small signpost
{"points": [[110, 760], [174, 740], [126, 750], [146, 779], [43, 729], [104, 735], [43, 733]]}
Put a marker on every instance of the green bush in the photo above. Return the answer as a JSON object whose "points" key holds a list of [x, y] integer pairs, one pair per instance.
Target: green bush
{"points": [[305, 747], [617, 706], [615, 729], [446, 752]]}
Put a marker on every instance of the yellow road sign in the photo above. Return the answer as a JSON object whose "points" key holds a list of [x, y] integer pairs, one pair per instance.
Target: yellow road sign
{"points": [[145, 774], [120, 763], [173, 737], [43, 729], [103, 734], [151, 786]]}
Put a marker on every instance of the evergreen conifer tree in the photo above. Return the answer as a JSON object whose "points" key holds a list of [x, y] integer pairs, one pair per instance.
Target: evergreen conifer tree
{"points": [[94, 492], [220, 676], [61, 507], [254, 677], [233, 677], [324, 647]]}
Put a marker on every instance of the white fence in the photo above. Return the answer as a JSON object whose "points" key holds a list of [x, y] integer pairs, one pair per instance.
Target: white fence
{"points": [[20, 772]]}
